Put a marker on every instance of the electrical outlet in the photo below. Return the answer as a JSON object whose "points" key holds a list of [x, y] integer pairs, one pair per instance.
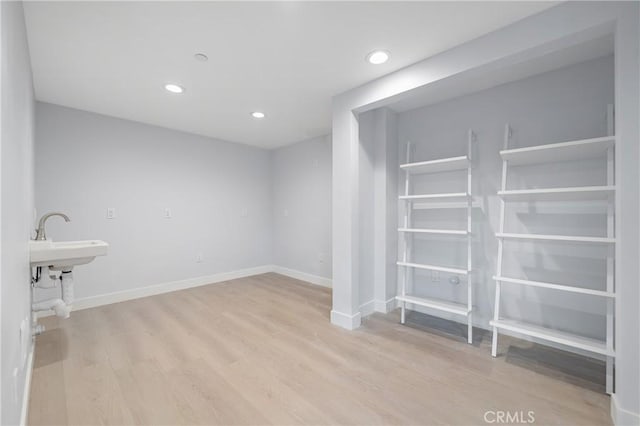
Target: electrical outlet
{"points": [[111, 213], [285, 213], [167, 213], [435, 276], [321, 257], [199, 258], [244, 212]]}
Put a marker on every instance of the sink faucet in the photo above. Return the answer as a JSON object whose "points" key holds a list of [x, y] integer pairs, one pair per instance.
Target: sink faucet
{"points": [[40, 234]]}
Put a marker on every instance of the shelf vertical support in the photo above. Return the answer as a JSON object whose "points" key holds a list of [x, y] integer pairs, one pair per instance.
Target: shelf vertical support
{"points": [[471, 139], [610, 257], [503, 187], [405, 238]]}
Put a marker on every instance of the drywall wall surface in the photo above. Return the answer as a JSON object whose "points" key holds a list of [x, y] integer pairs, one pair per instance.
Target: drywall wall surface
{"points": [[366, 185], [16, 211], [386, 173], [378, 206], [301, 191], [562, 105], [216, 193]]}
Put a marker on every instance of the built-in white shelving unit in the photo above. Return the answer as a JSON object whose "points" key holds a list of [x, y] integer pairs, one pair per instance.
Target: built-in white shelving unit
{"points": [[436, 201], [566, 238], [424, 197], [436, 166], [584, 193], [434, 268], [552, 286], [565, 151], [557, 152], [550, 335], [434, 231], [437, 205], [441, 305]]}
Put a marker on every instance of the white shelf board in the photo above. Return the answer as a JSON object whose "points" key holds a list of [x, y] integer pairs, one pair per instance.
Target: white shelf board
{"points": [[566, 238], [560, 287], [433, 268], [563, 151], [427, 197], [441, 305], [436, 166], [550, 335], [434, 205], [582, 193], [434, 231]]}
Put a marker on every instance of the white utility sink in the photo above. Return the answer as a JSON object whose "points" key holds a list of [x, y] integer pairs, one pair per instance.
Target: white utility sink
{"points": [[65, 254]]}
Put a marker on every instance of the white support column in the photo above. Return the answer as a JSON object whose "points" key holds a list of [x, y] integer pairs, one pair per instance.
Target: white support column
{"points": [[626, 401], [503, 187], [346, 161]]}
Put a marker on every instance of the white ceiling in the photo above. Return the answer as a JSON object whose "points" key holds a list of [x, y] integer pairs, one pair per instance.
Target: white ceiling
{"points": [[284, 58]]}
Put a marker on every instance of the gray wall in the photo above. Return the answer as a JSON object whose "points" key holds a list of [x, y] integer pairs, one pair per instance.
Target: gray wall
{"points": [[301, 191], [16, 208], [557, 106], [219, 194], [366, 198]]}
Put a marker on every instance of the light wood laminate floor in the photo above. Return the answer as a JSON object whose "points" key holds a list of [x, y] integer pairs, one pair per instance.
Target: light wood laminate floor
{"points": [[261, 350]]}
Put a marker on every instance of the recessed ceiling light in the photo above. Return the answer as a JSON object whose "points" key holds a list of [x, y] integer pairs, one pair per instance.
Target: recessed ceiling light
{"points": [[378, 57], [201, 57], [257, 114], [173, 88]]}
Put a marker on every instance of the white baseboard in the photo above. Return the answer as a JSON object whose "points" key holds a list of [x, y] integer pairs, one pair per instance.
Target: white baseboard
{"points": [[367, 308], [303, 276], [137, 293], [24, 412], [349, 322], [622, 417], [386, 306]]}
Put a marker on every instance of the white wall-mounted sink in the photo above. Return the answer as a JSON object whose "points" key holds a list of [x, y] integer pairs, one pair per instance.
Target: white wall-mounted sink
{"points": [[65, 254]]}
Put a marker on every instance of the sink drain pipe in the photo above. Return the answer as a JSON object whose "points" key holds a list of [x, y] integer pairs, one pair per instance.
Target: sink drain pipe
{"points": [[61, 307], [66, 278], [57, 305]]}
